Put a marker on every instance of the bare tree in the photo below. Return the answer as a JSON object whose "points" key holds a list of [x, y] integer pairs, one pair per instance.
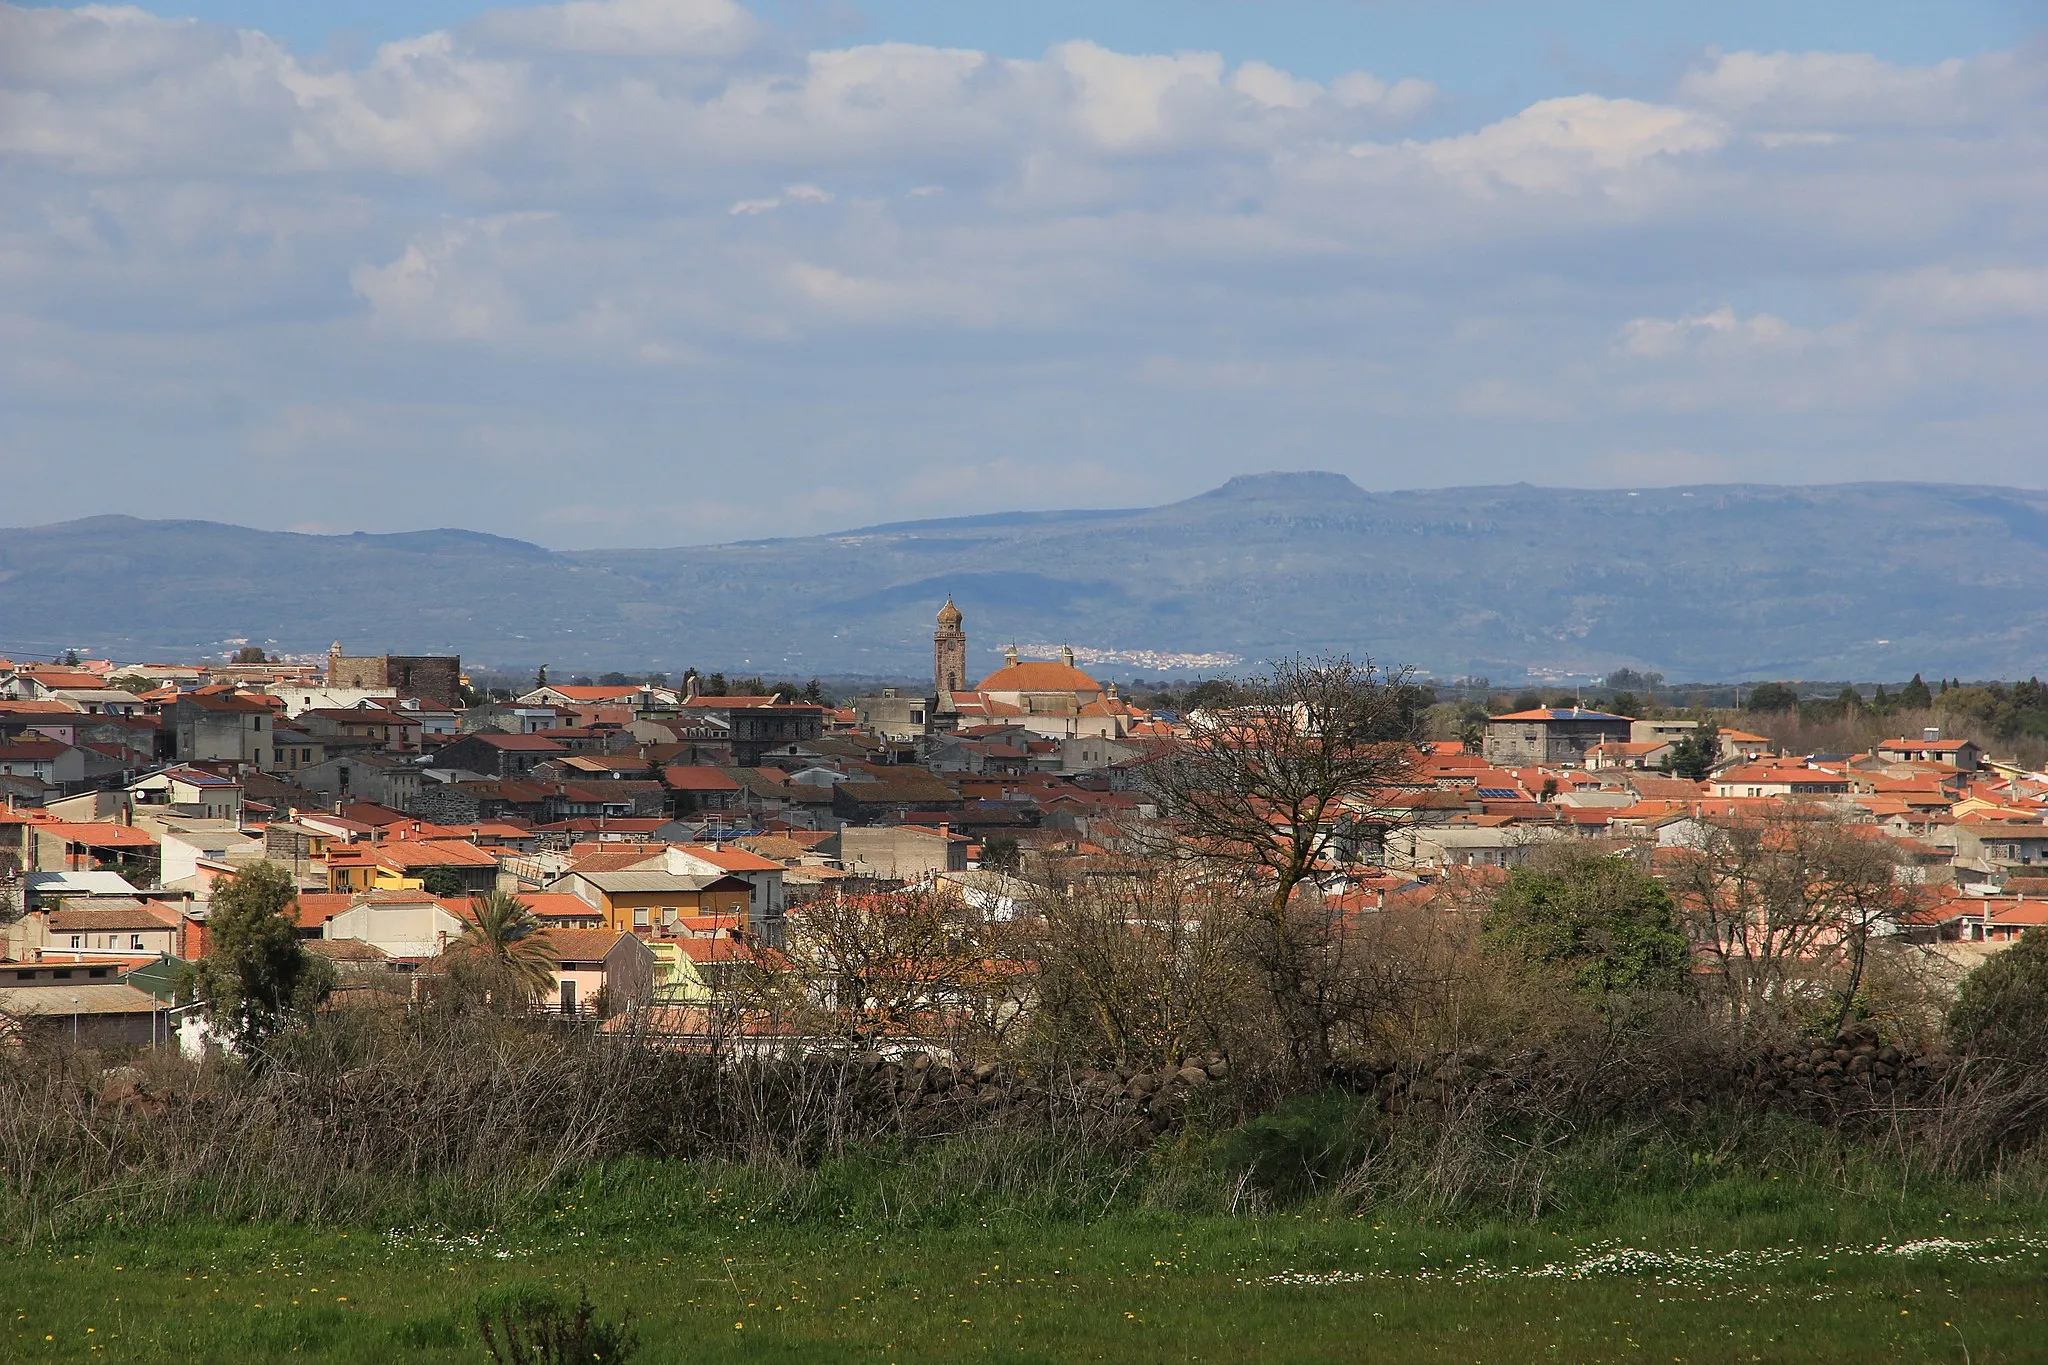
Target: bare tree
{"points": [[900, 963], [1265, 789], [1783, 905], [1140, 969]]}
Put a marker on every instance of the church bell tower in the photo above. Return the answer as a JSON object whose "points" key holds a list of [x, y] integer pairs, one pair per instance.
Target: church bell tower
{"points": [[949, 652]]}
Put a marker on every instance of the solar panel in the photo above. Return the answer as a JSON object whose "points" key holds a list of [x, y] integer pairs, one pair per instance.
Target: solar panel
{"points": [[1500, 794]]}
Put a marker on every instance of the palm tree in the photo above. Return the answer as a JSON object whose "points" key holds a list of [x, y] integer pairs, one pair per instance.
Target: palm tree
{"points": [[507, 946]]}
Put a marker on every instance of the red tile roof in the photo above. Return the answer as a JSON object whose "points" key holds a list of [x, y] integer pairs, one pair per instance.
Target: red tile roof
{"points": [[531, 744], [584, 945], [96, 834], [698, 779]]}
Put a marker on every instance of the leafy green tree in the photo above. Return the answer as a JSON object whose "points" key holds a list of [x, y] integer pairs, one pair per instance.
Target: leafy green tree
{"points": [[614, 680], [1471, 726], [1914, 696], [255, 979], [505, 953], [1213, 694], [1694, 755], [443, 881], [1628, 680], [1598, 918], [250, 654], [2002, 1007], [1773, 697], [1000, 853]]}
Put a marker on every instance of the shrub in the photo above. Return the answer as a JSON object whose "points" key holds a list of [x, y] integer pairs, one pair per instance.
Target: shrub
{"points": [[2002, 1006], [1303, 1146], [532, 1325], [1598, 917]]}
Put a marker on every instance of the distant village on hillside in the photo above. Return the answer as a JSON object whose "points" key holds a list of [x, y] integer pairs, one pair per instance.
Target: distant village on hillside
{"points": [[665, 834]]}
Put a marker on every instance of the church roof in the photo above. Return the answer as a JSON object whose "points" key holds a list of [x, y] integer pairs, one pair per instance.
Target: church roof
{"points": [[949, 615], [1038, 676]]}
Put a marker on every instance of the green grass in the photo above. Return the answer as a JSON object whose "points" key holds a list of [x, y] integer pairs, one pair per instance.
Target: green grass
{"points": [[846, 1263]]}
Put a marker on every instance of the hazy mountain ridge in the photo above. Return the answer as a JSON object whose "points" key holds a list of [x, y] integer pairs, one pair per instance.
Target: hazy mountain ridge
{"points": [[1865, 580]]}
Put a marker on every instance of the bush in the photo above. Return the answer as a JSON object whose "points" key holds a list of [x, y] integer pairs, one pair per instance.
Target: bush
{"points": [[2001, 1008], [1597, 917], [1304, 1146], [529, 1325]]}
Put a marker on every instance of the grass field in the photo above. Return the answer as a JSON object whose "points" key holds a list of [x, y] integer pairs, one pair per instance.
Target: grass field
{"points": [[714, 1266]]}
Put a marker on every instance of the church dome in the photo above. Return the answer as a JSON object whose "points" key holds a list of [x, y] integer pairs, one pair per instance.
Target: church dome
{"points": [[949, 615], [1038, 676]]}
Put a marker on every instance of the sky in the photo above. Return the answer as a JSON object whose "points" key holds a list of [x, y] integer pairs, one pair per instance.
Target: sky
{"points": [[647, 272]]}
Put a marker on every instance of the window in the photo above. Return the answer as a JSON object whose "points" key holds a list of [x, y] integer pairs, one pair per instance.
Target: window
{"points": [[668, 914], [78, 940], [640, 919], [135, 942]]}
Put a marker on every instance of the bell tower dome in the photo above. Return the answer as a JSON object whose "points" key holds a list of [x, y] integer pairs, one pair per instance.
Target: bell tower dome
{"points": [[949, 651]]}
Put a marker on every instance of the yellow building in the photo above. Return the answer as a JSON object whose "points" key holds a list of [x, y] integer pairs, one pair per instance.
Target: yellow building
{"points": [[657, 904]]}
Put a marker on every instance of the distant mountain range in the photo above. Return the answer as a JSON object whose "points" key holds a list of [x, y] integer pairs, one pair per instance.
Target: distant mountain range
{"points": [[1873, 581]]}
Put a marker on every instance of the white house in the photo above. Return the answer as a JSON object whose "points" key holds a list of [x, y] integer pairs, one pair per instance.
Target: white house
{"points": [[190, 791], [405, 924]]}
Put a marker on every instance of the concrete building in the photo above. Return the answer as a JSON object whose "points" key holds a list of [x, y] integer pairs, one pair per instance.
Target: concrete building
{"points": [[894, 716], [901, 852], [1932, 748], [600, 972], [400, 924], [221, 725]]}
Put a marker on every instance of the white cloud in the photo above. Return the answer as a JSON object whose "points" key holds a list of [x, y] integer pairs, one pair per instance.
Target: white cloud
{"points": [[1947, 296], [1721, 329], [1838, 89], [791, 194], [623, 28], [1574, 143], [601, 223]]}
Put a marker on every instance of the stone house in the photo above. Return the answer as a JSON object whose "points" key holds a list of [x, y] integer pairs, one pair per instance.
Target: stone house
{"points": [[498, 755], [435, 678], [1551, 734]]}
